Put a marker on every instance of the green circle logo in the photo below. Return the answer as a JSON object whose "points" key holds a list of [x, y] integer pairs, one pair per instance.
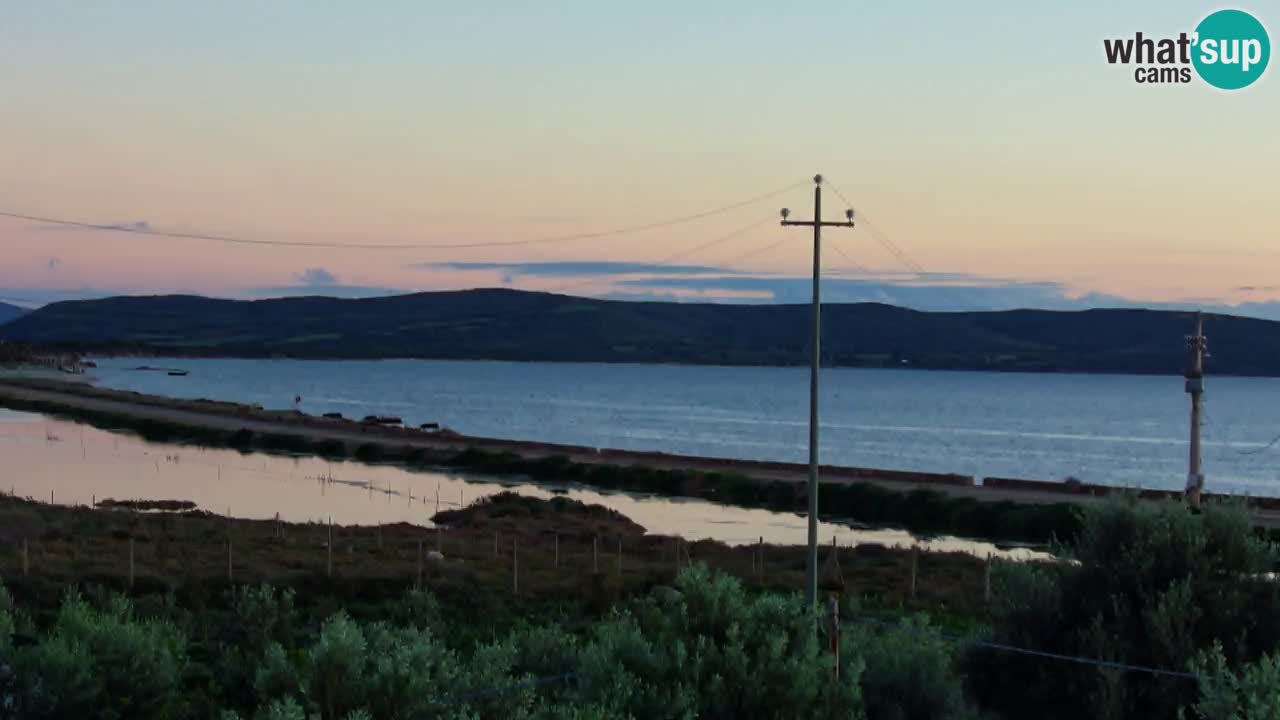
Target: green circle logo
{"points": [[1231, 49]]}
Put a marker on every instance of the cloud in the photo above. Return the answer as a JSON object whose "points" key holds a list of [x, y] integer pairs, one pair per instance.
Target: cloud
{"points": [[973, 294], [319, 281], [316, 276], [141, 226], [53, 264], [576, 268], [36, 297], [323, 290], [135, 226]]}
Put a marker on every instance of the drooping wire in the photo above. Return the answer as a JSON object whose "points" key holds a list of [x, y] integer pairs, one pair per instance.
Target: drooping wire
{"points": [[1002, 647], [879, 236], [667, 260], [615, 232], [754, 253], [852, 265]]}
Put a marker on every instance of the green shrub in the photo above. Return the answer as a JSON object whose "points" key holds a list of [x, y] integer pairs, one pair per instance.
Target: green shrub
{"points": [[1250, 693], [102, 664], [904, 672], [1149, 584]]}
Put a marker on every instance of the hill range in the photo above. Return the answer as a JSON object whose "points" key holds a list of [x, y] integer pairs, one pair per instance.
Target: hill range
{"points": [[9, 312], [500, 324]]}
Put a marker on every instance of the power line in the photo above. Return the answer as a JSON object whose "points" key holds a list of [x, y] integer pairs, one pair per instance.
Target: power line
{"points": [[754, 253], [852, 265], [1001, 647], [880, 237], [667, 260], [627, 230]]}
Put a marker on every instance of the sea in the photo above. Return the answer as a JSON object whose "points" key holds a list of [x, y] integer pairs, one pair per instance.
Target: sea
{"points": [[1120, 430]]}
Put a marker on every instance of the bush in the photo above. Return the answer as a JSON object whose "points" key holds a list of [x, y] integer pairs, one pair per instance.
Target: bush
{"points": [[102, 664], [1150, 584], [904, 672], [1253, 693]]}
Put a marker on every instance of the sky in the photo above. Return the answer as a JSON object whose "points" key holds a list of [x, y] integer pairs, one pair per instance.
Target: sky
{"points": [[988, 142]]}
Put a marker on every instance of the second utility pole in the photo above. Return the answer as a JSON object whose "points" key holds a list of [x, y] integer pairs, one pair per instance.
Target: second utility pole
{"points": [[815, 363], [1196, 345]]}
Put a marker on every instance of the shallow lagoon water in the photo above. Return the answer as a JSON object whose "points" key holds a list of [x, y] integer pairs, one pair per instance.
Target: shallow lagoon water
{"points": [[76, 464]]}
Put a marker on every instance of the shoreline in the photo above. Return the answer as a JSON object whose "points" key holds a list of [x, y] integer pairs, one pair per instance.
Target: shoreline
{"points": [[169, 353], [993, 508]]}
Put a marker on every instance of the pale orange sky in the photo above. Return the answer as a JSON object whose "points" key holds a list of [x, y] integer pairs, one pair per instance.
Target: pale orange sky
{"points": [[1022, 157]]}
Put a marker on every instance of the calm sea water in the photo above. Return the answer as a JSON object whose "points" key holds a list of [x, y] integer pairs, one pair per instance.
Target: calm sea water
{"points": [[1115, 429]]}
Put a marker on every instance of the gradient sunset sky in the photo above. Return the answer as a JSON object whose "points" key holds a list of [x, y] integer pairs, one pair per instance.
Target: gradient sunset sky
{"points": [[990, 141]]}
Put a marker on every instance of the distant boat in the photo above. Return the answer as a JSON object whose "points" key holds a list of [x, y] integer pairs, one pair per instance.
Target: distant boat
{"points": [[177, 373]]}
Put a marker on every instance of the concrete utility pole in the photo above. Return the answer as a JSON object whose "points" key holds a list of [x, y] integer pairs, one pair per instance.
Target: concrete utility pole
{"points": [[815, 363], [1196, 345]]}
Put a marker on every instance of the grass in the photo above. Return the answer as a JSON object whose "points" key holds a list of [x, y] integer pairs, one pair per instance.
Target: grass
{"points": [[566, 553]]}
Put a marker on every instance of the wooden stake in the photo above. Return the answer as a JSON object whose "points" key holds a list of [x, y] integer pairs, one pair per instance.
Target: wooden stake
{"points": [[986, 580], [328, 569], [915, 563], [26, 559], [418, 583], [515, 569], [130, 563], [619, 557], [557, 549], [595, 554], [379, 535], [230, 576], [495, 544], [760, 552]]}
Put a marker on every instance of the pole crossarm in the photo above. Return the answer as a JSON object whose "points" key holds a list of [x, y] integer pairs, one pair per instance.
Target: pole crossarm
{"points": [[810, 223], [815, 364]]}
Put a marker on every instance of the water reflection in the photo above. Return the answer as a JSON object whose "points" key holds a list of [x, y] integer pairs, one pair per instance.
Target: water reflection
{"points": [[76, 464]]}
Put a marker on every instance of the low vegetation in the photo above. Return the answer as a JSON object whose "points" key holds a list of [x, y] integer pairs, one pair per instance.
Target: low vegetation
{"points": [[1154, 612]]}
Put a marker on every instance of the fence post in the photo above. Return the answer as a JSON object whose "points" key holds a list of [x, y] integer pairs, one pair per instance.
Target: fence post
{"points": [[595, 554], [915, 562], [437, 498], [834, 607], [495, 543], [26, 559], [418, 583], [329, 550], [557, 550], [130, 562], [230, 577], [515, 569], [379, 535], [760, 553], [986, 580], [619, 556]]}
